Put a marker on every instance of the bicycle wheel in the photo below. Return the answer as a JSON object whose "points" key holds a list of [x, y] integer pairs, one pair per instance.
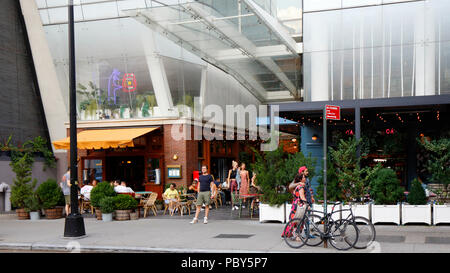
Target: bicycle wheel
{"points": [[344, 234], [295, 238], [313, 230], [366, 234]]}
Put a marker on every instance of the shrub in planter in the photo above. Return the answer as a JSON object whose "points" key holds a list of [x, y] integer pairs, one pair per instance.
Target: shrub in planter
{"points": [[22, 189], [103, 189], [385, 188], [416, 194], [50, 196], [33, 206], [107, 208], [123, 205]]}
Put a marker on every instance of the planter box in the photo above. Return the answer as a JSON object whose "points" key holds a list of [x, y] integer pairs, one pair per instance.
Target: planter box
{"points": [[22, 214], [386, 214], [107, 217], [441, 214], [272, 213], [416, 214], [35, 215], [54, 213], [357, 209]]}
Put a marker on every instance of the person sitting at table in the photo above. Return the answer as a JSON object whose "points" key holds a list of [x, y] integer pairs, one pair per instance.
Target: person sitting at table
{"points": [[122, 188], [86, 191], [171, 197], [193, 188], [219, 189]]}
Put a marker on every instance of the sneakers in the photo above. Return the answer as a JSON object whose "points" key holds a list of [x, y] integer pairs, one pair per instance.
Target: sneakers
{"points": [[233, 208], [205, 220], [236, 207], [194, 221]]}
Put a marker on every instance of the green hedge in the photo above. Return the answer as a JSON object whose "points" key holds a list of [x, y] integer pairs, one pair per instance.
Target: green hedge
{"points": [[124, 202]]}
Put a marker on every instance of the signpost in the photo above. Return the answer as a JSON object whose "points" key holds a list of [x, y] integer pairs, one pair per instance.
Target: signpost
{"points": [[334, 113]]}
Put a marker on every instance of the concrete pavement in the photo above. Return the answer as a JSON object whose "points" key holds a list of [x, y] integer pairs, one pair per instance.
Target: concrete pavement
{"points": [[176, 234]]}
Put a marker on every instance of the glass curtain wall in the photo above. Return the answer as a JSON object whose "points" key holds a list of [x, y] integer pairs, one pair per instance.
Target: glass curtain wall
{"points": [[116, 59], [382, 51]]}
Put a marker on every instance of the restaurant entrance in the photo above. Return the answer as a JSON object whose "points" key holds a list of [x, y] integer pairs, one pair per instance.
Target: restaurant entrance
{"points": [[130, 169]]}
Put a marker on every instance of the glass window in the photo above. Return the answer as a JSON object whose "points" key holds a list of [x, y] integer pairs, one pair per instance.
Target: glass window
{"points": [[153, 170], [93, 169], [184, 81]]}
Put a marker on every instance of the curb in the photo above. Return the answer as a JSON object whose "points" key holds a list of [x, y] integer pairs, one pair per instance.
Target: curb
{"points": [[111, 249]]}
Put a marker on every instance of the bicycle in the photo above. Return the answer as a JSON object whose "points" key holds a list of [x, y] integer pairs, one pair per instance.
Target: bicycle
{"points": [[342, 234], [367, 233]]}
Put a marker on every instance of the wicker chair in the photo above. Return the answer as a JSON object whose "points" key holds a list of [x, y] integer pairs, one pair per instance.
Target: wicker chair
{"points": [[150, 204], [86, 204]]}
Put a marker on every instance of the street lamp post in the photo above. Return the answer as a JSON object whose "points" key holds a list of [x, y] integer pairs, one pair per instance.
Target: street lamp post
{"points": [[74, 225]]}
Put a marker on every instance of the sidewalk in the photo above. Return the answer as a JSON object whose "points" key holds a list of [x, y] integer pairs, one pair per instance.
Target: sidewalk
{"points": [[176, 234]]}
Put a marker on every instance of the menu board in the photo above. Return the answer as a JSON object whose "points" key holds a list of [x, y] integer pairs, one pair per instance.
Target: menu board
{"points": [[174, 171]]}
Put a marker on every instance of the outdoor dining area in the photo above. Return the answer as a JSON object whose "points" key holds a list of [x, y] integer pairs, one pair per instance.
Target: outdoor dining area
{"points": [[173, 202]]}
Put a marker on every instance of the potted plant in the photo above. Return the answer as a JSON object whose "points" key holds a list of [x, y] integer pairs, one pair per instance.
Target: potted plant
{"points": [[107, 208], [21, 190], [387, 193], [103, 189], [123, 204], [33, 206], [438, 165], [416, 210], [50, 195]]}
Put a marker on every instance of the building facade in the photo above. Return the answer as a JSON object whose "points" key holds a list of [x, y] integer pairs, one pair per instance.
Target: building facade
{"points": [[152, 64]]}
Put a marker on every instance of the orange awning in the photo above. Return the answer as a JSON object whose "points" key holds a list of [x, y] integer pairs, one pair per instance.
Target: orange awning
{"points": [[104, 139]]}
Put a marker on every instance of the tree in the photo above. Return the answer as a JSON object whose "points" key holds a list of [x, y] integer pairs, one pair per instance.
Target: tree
{"points": [[334, 190], [275, 170], [350, 176], [417, 194], [385, 188], [439, 163], [21, 190]]}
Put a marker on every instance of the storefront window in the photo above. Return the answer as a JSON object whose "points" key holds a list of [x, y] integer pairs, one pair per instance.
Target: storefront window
{"points": [[93, 169], [153, 171]]}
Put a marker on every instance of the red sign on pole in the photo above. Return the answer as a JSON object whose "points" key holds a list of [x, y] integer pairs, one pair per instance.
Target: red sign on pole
{"points": [[333, 112]]}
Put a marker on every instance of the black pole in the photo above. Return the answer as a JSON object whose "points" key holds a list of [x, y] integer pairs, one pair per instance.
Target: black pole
{"points": [[74, 226], [325, 210]]}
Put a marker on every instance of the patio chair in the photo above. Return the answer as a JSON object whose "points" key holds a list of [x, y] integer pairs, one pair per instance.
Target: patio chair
{"points": [[150, 204], [86, 204]]}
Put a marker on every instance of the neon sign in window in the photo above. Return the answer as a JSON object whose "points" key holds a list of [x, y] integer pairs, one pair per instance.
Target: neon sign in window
{"points": [[127, 84]]}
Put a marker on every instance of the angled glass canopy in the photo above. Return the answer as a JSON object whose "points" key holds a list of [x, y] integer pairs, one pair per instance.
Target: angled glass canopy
{"points": [[239, 37]]}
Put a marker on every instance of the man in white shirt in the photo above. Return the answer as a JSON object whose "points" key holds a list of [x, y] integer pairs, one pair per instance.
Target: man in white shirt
{"points": [[86, 191], [122, 188]]}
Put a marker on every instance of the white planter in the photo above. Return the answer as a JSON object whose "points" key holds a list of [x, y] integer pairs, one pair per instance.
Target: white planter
{"points": [[271, 213], [416, 214], [34, 215], [362, 210], [386, 214], [441, 214], [107, 217]]}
